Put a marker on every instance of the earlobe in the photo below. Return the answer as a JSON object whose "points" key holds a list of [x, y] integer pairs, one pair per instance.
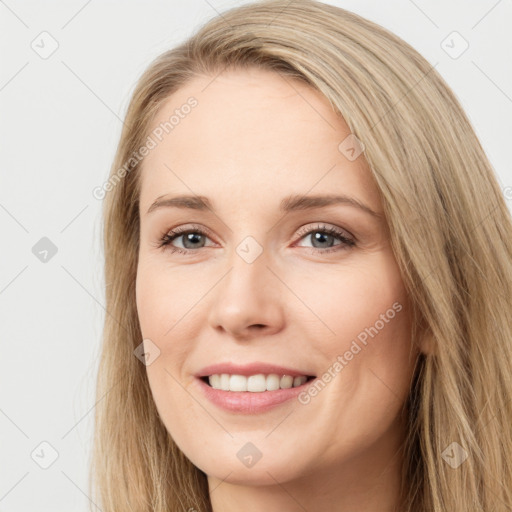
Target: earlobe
{"points": [[427, 343]]}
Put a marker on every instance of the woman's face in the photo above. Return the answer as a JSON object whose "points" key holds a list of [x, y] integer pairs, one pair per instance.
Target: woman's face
{"points": [[269, 276]]}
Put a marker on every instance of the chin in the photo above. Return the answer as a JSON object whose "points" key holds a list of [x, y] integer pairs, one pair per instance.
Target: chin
{"points": [[268, 469]]}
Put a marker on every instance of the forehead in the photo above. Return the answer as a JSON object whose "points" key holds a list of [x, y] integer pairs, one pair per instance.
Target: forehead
{"points": [[252, 131]]}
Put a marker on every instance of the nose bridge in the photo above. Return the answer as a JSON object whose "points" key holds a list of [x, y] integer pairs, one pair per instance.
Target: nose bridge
{"points": [[248, 274]]}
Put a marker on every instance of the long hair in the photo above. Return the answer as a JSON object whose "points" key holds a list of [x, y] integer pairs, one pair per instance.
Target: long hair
{"points": [[451, 234]]}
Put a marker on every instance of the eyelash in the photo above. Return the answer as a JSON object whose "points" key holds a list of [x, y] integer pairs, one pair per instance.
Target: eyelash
{"points": [[168, 237]]}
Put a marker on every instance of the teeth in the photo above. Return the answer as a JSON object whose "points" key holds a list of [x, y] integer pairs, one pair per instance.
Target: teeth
{"points": [[237, 383], [224, 382], [255, 383], [298, 381]]}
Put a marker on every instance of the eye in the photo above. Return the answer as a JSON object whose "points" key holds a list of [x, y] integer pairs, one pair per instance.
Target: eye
{"points": [[191, 238], [323, 238]]}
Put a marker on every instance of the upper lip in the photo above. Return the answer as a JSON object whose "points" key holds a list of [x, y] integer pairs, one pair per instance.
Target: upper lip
{"points": [[250, 369]]}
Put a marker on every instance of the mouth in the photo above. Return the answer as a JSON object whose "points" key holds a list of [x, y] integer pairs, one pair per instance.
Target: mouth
{"points": [[252, 388], [256, 383]]}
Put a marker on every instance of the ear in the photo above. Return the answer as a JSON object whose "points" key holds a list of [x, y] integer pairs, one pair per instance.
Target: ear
{"points": [[427, 343]]}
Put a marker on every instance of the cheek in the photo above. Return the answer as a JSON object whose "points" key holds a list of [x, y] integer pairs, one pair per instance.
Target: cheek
{"points": [[159, 314], [368, 312], [372, 365], [359, 302], [164, 315], [163, 298], [147, 298], [164, 301]]}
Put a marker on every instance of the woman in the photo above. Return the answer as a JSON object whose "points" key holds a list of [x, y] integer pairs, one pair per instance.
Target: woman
{"points": [[308, 279]]}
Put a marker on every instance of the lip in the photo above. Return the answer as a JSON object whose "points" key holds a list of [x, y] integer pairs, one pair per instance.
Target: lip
{"points": [[247, 402], [250, 369]]}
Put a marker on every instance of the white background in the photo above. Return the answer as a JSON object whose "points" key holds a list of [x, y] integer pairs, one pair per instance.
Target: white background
{"points": [[60, 123]]}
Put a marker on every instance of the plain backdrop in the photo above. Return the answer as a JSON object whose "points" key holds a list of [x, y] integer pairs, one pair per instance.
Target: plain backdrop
{"points": [[67, 72]]}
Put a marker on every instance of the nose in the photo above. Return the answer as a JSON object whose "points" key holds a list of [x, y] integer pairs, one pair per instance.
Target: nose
{"points": [[248, 301]]}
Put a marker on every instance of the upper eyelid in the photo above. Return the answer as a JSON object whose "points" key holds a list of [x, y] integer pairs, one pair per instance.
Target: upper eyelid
{"points": [[325, 227]]}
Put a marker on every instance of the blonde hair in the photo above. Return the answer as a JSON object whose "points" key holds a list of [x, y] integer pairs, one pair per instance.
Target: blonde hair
{"points": [[451, 234]]}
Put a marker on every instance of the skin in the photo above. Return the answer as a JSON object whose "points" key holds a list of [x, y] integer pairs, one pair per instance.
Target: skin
{"points": [[253, 139]]}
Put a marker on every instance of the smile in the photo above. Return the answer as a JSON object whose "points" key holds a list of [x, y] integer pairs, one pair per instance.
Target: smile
{"points": [[257, 383]]}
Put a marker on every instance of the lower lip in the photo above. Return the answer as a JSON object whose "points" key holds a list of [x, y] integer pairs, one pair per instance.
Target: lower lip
{"points": [[247, 402]]}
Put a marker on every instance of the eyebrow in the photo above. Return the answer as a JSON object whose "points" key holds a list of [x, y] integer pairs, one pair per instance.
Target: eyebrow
{"points": [[288, 204]]}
